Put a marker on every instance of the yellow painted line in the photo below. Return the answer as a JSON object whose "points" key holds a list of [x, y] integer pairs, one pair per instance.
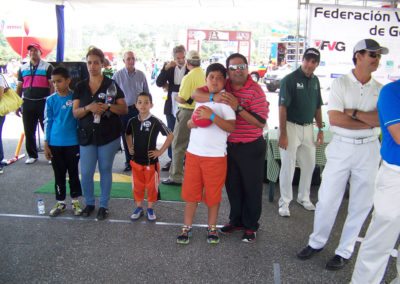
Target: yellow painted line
{"points": [[116, 178]]}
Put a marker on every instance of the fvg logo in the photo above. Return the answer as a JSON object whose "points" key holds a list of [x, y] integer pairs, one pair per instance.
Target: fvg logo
{"points": [[330, 45]]}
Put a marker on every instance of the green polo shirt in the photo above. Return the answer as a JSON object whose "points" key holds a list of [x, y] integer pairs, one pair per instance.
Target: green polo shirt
{"points": [[301, 95]]}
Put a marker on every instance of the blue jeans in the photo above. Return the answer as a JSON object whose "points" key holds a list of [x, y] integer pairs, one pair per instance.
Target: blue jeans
{"points": [[2, 119], [103, 155]]}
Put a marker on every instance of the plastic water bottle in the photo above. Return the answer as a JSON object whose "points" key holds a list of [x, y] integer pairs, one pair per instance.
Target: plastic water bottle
{"points": [[40, 206], [97, 118]]}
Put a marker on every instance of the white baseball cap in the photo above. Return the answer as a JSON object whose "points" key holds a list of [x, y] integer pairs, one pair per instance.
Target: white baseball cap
{"points": [[369, 45]]}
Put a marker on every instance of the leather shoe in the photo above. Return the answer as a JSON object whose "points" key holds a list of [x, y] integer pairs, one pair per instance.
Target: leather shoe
{"points": [[169, 181], [307, 253], [166, 167], [335, 263]]}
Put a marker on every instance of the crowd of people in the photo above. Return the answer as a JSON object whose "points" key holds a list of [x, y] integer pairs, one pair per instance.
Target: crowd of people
{"points": [[84, 127]]}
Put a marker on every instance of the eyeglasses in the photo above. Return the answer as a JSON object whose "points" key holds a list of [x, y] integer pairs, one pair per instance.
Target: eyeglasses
{"points": [[235, 67], [373, 54]]}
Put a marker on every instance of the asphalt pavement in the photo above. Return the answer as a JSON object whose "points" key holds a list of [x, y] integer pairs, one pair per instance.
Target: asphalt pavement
{"points": [[68, 249]]}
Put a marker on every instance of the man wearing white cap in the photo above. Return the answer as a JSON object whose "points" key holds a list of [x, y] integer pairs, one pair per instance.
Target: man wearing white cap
{"points": [[34, 84], [193, 80], [384, 229], [352, 154]]}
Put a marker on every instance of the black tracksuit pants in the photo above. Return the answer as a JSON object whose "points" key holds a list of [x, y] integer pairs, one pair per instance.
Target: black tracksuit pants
{"points": [[66, 159], [32, 113], [244, 182]]}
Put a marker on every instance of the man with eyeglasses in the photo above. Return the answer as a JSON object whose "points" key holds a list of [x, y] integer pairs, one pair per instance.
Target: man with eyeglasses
{"points": [[299, 103], [352, 154], [384, 229], [246, 147]]}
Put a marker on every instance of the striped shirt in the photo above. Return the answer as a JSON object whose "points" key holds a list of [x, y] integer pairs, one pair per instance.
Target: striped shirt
{"points": [[35, 80], [252, 98]]}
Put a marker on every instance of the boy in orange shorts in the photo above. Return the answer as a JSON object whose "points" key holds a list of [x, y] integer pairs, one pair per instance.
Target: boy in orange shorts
{"points": [[141, 138], [206, 160]]}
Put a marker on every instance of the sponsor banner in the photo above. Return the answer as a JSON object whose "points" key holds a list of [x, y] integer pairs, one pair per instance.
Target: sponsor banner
{"points": [[334, 30]]}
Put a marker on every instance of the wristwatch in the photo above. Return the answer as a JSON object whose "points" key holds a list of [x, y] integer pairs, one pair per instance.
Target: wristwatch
{"points": [[354, 115], [239, 109]]}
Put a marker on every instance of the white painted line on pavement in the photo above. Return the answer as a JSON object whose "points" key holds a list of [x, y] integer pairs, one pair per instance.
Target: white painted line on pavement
{"points": [[277, 273], [95, 219]]}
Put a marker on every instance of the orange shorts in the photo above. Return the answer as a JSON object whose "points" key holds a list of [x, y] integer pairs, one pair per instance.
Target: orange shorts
{"points": [[204, 179], [145, 177]]}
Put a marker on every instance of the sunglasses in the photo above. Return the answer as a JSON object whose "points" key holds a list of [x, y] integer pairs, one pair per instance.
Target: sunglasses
{"points": [[374, 54], [235, 67]]}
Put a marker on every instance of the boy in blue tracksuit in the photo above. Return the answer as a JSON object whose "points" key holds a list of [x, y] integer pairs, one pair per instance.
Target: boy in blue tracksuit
{"points": [[61, 142]]}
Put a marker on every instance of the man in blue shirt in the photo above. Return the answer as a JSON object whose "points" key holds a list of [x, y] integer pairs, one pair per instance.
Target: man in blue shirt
{"points": [[384, 229], [132, 82]]}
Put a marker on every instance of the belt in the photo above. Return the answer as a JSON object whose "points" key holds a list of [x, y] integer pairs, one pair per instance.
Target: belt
{"points": [[185, 108], [356, 141], [300, 123]]}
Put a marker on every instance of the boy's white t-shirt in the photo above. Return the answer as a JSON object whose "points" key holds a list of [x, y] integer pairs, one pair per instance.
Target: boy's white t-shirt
{"points": [[211, 141]]}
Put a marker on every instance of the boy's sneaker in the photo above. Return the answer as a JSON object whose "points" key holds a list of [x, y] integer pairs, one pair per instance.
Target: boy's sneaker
{"points": [[151, 216], [137, 213], [88, 210], [229, 229], [212, 235], [57, 209], [102, 213], [76, 207], [186, 233], [249, 236]]}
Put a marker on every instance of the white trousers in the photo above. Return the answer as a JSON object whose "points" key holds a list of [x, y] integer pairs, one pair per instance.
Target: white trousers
{"points": [[345, 160], [383, 231], [301, 147]]}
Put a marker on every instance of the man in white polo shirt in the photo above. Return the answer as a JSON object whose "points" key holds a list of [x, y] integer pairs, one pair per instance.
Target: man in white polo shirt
{"points": [[352, 154], [384, 230]]}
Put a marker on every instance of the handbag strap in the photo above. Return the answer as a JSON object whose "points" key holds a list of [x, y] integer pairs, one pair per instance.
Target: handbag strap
{"points": [[5, 83]]}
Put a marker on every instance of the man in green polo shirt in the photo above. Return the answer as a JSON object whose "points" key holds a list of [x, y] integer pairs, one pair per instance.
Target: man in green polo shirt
{"points": [[299, 103]]}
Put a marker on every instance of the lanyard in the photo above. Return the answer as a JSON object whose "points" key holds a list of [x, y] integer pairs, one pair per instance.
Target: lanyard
{"points": [[33, 72]]}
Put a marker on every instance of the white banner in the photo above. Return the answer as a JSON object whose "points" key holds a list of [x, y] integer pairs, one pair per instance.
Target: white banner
{"points": [[334, 30]]}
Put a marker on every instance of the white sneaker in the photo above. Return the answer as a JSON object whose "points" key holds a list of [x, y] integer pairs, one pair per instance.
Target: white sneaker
{"points": [[30, 161], [307, 205], [284, 210]]}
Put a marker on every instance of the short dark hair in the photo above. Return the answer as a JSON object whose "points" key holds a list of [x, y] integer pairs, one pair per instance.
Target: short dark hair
{"points": [[144, 94], [216, 67], [62, 71], [97, 52], [354, 56], [235, 55]]}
